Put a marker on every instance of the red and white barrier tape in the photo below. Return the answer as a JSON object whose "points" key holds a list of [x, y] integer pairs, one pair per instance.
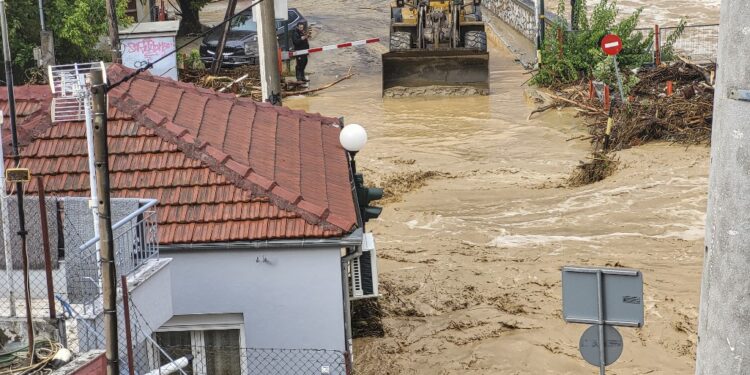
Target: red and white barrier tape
{"points": [[289, 55]]}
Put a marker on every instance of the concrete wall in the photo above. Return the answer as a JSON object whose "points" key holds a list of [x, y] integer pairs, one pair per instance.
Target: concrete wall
{"points": [[290, 299], [151, 291], [519, 14]]}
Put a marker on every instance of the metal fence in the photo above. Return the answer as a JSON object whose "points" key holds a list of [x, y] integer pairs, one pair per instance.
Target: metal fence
{"points": [[698, 43], [62, 255], [144, 352], [135, 242], [242, 361]]}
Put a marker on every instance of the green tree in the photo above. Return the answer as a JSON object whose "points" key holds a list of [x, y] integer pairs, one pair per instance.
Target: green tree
{"points": [[190, 23], [80, 29]]}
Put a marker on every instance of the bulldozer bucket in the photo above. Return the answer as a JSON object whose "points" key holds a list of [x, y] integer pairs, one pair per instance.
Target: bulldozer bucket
{"points": [[461, 70]]}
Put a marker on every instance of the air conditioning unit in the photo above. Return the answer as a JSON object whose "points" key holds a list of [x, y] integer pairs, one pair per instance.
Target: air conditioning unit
{"points": [[364, 270]]}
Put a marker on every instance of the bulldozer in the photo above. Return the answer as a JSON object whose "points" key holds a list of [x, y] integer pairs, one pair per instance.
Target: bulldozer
{"points": [[439, 44]]}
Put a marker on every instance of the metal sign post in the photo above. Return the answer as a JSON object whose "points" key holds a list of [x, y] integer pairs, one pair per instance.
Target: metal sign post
{"points": [[612, 46], [604, 297]]}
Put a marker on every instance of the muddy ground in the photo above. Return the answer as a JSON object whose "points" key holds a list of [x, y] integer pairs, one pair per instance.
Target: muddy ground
{"points": [[478, 221]]}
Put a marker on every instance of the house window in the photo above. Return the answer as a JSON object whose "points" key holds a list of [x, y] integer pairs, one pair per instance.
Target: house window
{"points": [[216, 348]]}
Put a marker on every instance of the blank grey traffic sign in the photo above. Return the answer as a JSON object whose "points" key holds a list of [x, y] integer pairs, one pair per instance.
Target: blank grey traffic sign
{"points": [[621, 296], [589, 345]]}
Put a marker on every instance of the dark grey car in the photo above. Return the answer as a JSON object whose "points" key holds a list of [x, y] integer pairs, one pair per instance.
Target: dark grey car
{"points": [[242, 40]]}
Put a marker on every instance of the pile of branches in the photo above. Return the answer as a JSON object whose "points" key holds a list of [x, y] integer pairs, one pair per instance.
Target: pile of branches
{"points": [[684, 117], [650, 114], [243, 81]]}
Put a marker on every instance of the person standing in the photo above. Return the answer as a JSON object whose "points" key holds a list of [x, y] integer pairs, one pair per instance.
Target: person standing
{"points": [[300, 41]]}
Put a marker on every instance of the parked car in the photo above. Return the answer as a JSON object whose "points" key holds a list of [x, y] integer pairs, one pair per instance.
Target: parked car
{"points": [[242, 39]]}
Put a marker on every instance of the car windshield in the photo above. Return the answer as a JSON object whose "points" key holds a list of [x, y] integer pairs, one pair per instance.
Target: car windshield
{"points": [[244, 22]]}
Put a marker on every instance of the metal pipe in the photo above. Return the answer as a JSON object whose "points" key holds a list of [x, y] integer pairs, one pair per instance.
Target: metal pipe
{"points": [[600, 323], [159, 348], [6, 230], [46, 247], [126, 317], [41, 15], [90, 151], [19, 186], [107, 252]]}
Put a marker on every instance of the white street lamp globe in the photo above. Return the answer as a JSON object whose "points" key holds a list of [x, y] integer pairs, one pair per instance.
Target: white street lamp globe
{"points": [[353, 137]]}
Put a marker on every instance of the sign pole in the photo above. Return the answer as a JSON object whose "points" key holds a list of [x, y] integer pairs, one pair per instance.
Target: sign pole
{"points": [[619, 79], [600, 306]]}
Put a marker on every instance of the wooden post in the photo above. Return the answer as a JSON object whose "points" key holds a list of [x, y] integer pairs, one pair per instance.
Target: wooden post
{"points": [[592, 92], [670, 88], [657, 45], [223, 38], [607, 101], [46, 247], [128, 332], [106, 243]]}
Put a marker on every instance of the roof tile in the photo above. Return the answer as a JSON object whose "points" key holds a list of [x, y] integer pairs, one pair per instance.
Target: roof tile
{"points": [[222, 168]]}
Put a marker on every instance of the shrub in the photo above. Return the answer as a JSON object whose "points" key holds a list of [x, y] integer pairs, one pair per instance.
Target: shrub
{"points": [[579, 53]]}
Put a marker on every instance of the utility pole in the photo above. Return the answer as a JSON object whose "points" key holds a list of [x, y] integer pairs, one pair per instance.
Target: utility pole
{"points": [[540, 25], [19, 186], [223, 39], [114, 32], [106, 243], [47, 50], [270, 77], [724, 320]]}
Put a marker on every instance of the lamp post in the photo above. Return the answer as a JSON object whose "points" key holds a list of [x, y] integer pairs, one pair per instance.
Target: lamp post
{"points": [[353, 138]]}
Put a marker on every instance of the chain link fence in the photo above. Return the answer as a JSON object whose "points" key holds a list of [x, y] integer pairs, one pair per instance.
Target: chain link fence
{"points": [[195, 352], [698, 43], [241, 361], [62, 251], [44, 263]]}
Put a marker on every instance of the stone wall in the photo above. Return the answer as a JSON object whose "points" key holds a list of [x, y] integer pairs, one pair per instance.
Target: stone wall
{"points": [[519, 14]]}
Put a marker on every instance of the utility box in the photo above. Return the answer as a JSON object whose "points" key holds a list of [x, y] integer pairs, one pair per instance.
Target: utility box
{"points": [[146, 42]]}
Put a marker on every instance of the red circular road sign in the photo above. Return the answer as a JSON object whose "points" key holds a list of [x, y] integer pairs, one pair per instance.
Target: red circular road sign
{"points": [[611, 44]]}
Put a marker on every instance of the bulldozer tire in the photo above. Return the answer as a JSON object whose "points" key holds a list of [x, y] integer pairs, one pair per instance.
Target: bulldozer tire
{"points": [[476, 40], [400, 41]]}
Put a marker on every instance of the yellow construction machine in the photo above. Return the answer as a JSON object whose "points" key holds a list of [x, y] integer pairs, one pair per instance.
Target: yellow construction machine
{"points": [[437, 43]]}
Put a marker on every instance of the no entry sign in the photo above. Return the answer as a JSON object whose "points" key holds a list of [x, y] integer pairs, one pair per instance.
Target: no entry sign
{"points": [[611, 44]]}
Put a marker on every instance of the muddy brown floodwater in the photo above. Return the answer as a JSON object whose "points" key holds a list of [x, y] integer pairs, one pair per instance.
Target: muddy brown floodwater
{"points": [[477, 222]]}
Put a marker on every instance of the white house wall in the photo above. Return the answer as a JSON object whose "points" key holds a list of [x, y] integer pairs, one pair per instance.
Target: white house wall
{"points": [[290, 298], [151, 292]]}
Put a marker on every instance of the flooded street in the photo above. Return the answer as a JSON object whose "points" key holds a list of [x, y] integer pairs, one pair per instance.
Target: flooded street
{"points": [[478, 221]]}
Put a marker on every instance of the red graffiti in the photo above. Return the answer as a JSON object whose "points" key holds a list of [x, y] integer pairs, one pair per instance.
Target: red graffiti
{"points": [[151, 49]]}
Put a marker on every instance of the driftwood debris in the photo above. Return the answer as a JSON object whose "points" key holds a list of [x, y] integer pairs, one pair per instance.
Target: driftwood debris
{"points": [[236, 81], [541, 109], [574, 103], [311, 91]]}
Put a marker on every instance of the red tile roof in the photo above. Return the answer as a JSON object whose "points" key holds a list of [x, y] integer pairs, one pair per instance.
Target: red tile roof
{"points": [[222, 168]]}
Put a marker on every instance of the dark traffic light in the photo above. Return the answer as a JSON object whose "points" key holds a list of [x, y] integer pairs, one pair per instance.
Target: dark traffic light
{"points": [[365, 195]]}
